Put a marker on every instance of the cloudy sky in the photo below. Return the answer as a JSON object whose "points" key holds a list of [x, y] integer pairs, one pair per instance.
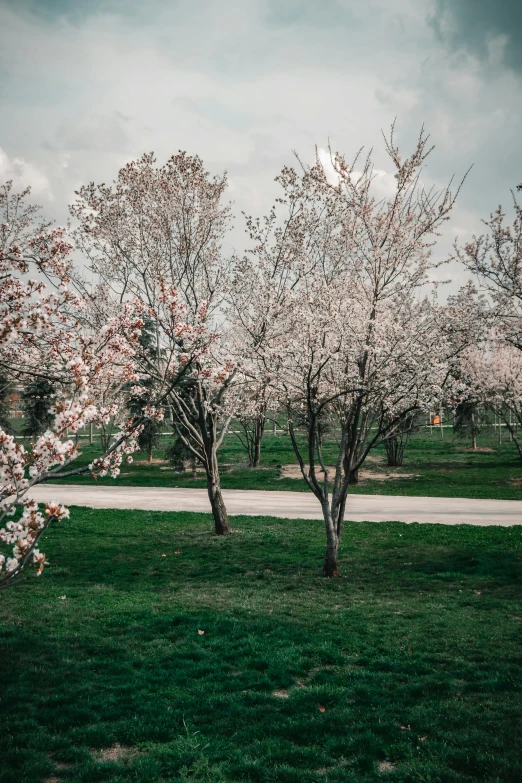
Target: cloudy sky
{"points": [[87, 86]]}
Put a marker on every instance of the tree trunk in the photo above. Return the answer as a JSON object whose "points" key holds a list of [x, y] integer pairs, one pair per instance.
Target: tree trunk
{"points": [[256, 455], [474, 442], [394, 451], [219, 511], [257, 446], [354, 477], [193, 468], [149, 454], [254, 445], [331, 564]]}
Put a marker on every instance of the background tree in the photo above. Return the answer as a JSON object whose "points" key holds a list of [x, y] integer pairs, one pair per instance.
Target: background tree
{"points": [[395, 444], [494, 370], [180, 456], [467, 422], [496, 259], [38, 399], [494, 366], [150, 435], [253, 409]]}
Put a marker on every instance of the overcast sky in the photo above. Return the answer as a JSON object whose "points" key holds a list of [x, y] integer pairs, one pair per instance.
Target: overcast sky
{"points": [[87, 85]]}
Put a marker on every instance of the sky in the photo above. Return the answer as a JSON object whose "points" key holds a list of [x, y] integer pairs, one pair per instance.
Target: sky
{"points": [[87, 86]]}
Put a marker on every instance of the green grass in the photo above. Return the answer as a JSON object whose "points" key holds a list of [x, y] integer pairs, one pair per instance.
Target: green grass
{"points": [[442, 468], [414, 653]]}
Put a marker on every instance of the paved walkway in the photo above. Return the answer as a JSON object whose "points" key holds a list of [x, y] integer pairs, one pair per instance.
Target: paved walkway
{"points": [[291, 505]]}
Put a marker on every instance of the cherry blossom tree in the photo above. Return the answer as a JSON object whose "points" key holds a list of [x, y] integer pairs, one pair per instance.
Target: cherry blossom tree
{"points": [[44, 334], [493, 367], [334, 313], [255, 404], [496, 259], [156, 231], [494, 371], [395, 444]]}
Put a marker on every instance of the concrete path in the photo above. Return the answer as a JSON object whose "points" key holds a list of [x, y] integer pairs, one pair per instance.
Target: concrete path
{"points": [[291, 505]]}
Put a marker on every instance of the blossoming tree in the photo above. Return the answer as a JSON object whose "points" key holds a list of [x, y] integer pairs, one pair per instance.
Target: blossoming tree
{"points": [[494, 372], [156, 231], [332, 305], [496, 259]]}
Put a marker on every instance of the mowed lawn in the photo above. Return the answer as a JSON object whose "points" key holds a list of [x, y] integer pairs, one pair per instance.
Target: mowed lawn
{"points": [[433, 467], [150, 651]]}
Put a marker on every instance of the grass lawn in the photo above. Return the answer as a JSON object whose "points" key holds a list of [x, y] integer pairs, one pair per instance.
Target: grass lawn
{"points": [[440, 468], [407, 668]]}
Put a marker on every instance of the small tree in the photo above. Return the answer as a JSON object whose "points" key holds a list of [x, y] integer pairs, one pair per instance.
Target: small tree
{"points": [[38, 400], [179, 456], [252, 407], [395, 444], [495, 371], [467, 422], [150, 435]]}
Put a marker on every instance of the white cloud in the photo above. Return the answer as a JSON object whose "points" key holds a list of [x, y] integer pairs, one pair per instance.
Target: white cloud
{"points": [[24, 174], [384, 184], [325, 159]]}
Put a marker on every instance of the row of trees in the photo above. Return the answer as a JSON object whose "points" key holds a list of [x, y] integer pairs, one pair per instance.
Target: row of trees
{"points": [[330, 316]]}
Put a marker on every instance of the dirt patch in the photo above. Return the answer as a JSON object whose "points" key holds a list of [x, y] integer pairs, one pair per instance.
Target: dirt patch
{"points": [[59, 766], [371, 458], [281, 694], [385, 766], [369, 475], [479, 448], [294, 472], [188, 470], [117, 753]]}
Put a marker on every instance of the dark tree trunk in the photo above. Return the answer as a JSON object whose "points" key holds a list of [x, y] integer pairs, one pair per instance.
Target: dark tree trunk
{"points": [[149, 454], [256, 452], [219, 511], [253, 439], [331, 564], [395, 451], [354, 477], [104, 438]]}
